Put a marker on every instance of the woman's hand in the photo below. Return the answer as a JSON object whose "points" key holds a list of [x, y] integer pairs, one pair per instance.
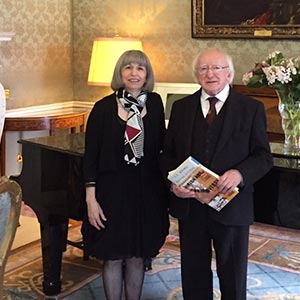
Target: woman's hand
{"points": [[95, 212]]}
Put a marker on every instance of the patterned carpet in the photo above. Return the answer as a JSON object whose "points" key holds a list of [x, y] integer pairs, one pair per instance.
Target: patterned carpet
{"points": [[274, 269], [23, 277]]}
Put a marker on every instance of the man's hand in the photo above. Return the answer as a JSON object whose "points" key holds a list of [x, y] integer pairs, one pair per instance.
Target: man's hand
{"points": [[182, 192], [229, 181], [204, 197]]}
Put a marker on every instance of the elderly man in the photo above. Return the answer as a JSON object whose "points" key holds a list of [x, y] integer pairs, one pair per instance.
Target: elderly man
{"points": [[226, 132]]}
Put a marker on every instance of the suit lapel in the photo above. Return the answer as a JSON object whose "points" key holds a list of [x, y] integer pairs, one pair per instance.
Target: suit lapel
{"points": [[189, 120]]}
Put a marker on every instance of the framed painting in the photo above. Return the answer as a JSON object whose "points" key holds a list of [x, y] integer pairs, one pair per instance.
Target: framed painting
{"points": [[261, 19], [171, 92]]}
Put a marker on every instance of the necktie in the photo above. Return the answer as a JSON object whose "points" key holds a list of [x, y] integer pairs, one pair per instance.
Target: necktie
{"points": [[212, 110]]}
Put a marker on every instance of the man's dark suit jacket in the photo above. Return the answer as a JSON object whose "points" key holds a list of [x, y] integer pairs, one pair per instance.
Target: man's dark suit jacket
{"points": [[243, 145]]}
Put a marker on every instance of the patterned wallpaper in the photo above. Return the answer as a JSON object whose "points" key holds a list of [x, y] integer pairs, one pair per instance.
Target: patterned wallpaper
{"points": [[164, 27], [48, 59], [37, 64]]}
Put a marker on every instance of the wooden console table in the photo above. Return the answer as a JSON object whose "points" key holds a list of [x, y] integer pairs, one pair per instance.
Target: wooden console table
{"points": [[65, 118], [269, 98]]}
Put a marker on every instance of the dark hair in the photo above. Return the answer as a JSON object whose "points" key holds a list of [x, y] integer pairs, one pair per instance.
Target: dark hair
{"points": [[128, 57]]}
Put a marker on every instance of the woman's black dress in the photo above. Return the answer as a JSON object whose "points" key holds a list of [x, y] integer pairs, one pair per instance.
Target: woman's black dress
{"points": [[133, 198]]}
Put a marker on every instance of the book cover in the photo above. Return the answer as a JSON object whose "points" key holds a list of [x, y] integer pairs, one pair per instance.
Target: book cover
{"points": [[192, 175]]}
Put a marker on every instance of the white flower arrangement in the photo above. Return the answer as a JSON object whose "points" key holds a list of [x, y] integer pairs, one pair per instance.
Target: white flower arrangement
{"points": [[283, 74]]}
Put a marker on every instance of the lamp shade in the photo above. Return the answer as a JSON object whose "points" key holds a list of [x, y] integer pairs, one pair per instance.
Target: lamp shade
{"points": [[105, 53]]}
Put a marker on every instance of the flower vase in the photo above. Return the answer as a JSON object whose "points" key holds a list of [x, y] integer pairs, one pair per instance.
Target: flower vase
{"points": [[290, 118]]}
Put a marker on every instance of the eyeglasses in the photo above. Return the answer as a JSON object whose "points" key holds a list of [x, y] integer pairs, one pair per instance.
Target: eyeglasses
{"points": [[214, 68]]}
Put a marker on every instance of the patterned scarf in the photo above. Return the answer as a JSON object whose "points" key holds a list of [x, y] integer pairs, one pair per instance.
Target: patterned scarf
{"points": [[134, 132]]}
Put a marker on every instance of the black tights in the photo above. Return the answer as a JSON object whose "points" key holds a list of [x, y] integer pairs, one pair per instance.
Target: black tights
{"points": [[131, 271]]}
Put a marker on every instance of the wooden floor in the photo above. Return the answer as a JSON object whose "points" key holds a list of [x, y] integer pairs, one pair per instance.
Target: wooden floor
{"points": [[27, 232]]}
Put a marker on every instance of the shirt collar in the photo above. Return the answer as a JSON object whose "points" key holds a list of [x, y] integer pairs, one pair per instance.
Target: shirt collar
{"points": [[222, 96]]}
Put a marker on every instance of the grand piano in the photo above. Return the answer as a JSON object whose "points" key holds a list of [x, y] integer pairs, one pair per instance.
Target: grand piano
{"points": [[51, 181]]}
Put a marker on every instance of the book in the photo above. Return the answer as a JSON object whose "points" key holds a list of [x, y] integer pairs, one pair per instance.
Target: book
{"points": [[192, 175]]}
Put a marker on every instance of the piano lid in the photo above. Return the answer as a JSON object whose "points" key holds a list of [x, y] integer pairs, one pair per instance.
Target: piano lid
{"points": [[72, 143]]}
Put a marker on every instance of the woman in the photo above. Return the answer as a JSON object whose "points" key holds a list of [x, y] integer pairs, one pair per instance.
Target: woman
{"points": [[125, 193]]}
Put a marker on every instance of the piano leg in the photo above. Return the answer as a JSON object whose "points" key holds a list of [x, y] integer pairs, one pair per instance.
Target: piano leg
{"points": [[53, 241], [52, 186]]}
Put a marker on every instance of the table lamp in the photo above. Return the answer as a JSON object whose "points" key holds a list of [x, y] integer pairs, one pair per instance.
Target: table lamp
{"points": [[105, 53]]}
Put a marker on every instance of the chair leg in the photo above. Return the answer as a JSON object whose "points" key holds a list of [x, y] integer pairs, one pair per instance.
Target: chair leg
{"points": [[1, 282]]}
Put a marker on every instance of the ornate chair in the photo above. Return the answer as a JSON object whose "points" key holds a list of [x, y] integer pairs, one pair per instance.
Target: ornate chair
{"points": [[10, 207], [2, 109]]}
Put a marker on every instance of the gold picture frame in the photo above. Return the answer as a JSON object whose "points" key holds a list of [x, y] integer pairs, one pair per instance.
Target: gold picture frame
{"points": [[257, 19]]}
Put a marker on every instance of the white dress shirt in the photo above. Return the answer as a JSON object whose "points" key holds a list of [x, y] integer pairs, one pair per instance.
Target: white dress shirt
{"points": [[222, 96]]}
